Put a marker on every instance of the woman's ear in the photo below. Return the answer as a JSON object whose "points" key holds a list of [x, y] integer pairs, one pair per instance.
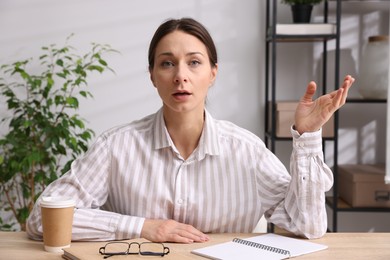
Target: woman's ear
{"points": [[214, 72], [151, 77]]}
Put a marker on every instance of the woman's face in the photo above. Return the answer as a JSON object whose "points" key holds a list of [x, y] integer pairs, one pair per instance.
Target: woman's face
{"points": [[182, 72]]}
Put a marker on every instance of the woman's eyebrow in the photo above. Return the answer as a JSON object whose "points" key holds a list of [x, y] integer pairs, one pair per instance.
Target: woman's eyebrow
{"points": [[165, 54], [194, 53], [188, 54]]}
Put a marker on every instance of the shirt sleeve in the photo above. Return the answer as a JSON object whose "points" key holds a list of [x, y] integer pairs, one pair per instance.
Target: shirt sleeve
{"points": [[299, 199], [86, 183]]}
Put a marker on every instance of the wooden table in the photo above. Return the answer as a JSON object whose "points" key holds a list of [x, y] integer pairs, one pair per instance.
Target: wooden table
{"points": [[16, 245]]}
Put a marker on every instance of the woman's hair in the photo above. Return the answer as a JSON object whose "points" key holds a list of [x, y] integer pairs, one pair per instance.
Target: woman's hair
{"points": [[187, 25]]}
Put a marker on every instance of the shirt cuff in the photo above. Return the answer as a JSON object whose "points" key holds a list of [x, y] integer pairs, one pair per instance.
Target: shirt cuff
{"points": [[129, 227], [307, 143]]}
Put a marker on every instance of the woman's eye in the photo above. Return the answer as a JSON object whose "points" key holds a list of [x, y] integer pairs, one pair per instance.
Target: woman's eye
{"points": [[166, 64], [194, 63]]}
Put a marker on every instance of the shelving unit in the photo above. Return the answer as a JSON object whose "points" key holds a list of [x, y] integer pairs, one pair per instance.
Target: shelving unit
{"points": [[301, 33], [272, 39], [298, 35], [337, 204]]}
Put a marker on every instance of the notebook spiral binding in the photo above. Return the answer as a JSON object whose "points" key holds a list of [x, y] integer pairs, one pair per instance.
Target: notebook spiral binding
{"points": [[263, 247]]}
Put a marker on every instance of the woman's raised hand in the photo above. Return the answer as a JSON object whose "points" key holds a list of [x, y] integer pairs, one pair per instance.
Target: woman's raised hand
{"points": [[311, 115]]}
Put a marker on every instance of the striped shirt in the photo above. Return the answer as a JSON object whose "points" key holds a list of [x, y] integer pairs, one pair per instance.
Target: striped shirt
{"points": [[133, 172]]}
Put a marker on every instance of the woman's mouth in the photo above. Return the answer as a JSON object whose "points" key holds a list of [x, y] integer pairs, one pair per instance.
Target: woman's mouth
{"points": [[181, 95]]}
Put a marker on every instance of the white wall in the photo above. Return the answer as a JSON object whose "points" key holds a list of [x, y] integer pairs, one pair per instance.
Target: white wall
{"points": [[128, 26]]}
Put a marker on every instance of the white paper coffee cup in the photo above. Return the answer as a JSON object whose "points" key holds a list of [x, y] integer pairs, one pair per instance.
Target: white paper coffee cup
{"points": [[57, 220]]}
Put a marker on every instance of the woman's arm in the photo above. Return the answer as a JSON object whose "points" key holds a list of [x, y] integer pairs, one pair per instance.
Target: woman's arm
{"points": [[300, 200], [87, 183]]}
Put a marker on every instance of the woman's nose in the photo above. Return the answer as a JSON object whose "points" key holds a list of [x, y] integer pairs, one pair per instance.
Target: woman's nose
{"points": [[181, 74]]}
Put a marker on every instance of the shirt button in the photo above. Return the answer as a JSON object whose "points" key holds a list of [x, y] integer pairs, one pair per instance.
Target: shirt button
{"points": [[300, 144], [179, 201]]}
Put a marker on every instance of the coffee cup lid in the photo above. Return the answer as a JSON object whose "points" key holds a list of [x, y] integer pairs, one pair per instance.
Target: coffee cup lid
{"points": [[56, 202]]}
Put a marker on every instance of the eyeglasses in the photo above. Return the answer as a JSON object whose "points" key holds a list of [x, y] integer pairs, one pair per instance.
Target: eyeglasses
{"points": [[133, 248]]}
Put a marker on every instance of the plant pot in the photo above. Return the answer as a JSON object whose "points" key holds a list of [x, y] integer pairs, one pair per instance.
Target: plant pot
{"points": [[301, 13]]}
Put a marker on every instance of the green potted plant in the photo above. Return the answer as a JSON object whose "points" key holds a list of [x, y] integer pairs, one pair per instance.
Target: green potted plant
{"points": [[301, 9], [45, 133]]}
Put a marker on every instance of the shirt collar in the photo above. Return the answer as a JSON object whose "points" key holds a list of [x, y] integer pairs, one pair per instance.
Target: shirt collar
{"points": [[208, 143], [160, 133]]}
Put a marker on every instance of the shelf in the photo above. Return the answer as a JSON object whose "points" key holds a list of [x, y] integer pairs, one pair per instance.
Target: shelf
{"points": [[301, 38], [344, 206], [366, 100], [306, 29], [302, 32]]}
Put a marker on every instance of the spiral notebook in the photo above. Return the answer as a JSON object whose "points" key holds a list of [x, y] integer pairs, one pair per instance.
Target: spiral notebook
{"points": [[268, 246]]}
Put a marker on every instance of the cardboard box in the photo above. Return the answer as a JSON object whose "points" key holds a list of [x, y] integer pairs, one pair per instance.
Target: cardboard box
{"points": [[285, 113], [364, 185]]}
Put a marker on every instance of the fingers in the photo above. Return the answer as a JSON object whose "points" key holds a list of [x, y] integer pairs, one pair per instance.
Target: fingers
{"points": [[310, 91], [341, 94], [187, 234], [337, 100], [171, 231], [348, 81]]}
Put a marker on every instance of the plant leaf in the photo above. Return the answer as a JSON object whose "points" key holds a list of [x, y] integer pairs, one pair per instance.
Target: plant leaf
{"points": [[96, 67]]}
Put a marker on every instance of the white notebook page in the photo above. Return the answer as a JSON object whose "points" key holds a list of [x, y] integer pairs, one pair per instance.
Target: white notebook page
{"points": [[233, 250]]}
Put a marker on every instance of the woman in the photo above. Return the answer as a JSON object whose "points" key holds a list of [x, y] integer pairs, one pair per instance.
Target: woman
{"points": [[179, 174]]}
